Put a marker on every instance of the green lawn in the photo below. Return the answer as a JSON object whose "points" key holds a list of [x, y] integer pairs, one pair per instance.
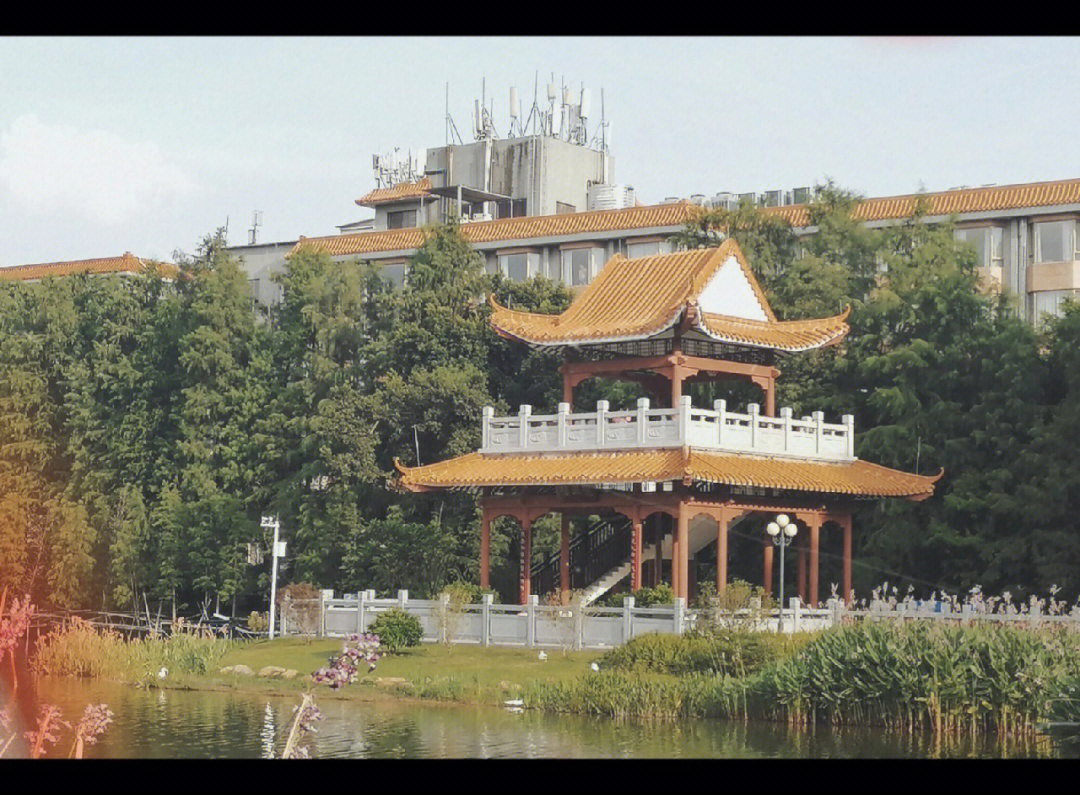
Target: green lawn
{"points": [[469, 674]]}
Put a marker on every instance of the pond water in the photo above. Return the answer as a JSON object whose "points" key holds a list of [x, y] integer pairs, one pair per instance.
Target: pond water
{"points": [[190, 724]]}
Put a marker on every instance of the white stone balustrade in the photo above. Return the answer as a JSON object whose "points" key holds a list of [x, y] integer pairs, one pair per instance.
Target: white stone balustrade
{"points": [[645, 427]]}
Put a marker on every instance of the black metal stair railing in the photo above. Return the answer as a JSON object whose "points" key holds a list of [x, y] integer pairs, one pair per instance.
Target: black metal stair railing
{"points": [[593, 554]]}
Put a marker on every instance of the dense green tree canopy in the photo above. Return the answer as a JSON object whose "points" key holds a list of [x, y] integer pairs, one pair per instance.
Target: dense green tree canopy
{"points": [[145, 426]]}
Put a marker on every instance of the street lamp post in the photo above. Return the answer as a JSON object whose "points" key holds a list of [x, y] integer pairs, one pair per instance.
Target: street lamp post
{"points": [[277, 551], [782, 532]]}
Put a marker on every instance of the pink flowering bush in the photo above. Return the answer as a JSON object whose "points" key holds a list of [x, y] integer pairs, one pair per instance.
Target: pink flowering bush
{"points": [[13, 626], [306, 715], [359, 650]]}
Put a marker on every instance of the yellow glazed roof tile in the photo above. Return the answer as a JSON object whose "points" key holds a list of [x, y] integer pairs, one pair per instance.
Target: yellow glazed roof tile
{"points": [[126, 263], [968, 200], [421, 189], [852, 478], [638, 298], [509, 229]]}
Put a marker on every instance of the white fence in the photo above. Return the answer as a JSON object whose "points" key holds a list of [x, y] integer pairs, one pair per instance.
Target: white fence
{"points": [[540, 626], [543, 626], [715, 429]]}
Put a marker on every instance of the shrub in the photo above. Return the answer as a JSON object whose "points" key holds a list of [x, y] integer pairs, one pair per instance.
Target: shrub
{"points": [[468, 592], [731, 652], [258, 622], [651, 597], [397, 630], [301, 604]]}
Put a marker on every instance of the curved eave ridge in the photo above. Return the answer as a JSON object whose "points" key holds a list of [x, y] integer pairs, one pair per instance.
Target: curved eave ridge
{"points": [[854, 478], [792, 336], [629, 299]]}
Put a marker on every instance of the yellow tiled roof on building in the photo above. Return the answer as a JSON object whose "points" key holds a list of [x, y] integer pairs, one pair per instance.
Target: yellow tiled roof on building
{"points": [[967, 200], [661, 215], [992, 198], [634, 299], [852, 478], [421, 189], [125, 263]]}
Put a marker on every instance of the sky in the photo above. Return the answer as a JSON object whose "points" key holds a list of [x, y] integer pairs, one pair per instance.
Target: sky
{"points": [[148, 144]]}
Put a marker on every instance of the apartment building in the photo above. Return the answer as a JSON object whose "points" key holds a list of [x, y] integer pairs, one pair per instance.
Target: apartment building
{"points": [[1026, 237]]}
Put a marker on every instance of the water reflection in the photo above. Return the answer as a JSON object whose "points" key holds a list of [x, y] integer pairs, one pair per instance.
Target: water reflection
{"points": [[187, 724]]}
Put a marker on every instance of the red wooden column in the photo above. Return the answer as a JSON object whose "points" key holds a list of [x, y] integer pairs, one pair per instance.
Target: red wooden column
{"points": [[485, 551], [526, 559], [680, 558], [768, 566], [568, 390], [802, 568], [721, 553], [564, 561], [659, 528], [845, 522], [770, 398], [635, 577], [814, 525], [678, 373]]}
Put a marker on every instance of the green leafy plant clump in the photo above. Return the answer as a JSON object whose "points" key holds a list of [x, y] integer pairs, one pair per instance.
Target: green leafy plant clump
{"points": [[397, 630], [732, 652]]}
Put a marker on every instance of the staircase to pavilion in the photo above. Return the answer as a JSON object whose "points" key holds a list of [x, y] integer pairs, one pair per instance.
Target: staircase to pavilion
{"points": [[601, 557]]}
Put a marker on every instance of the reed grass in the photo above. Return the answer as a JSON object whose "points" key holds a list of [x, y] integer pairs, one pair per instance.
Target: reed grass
{"points": [[949, 680], [78, 649]]}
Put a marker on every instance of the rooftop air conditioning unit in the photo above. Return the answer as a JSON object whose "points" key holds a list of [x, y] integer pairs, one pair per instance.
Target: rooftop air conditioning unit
{"points": [[698, 199], [610, 197], [724, 201], [671, 200]]}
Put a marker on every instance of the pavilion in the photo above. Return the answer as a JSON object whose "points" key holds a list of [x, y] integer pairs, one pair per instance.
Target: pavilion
{"points": [[682, 476]]}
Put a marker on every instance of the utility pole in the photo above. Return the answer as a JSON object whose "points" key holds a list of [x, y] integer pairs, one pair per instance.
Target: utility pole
{"points": [[278, 551]]}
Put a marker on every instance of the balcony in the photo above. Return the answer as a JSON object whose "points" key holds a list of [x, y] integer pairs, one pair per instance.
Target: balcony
{"points": [[715, 429]]}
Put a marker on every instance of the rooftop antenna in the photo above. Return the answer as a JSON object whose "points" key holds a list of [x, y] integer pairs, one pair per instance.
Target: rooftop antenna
{"points": [[256, 222], [452, 133]]}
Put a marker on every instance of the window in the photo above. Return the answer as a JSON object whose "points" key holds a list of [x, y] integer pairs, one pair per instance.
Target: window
{"points": [[519, 266], [401, 219], [988, 244], [1055, 241], [1050, 302], [253, 288], [512, 208], [394, 275], [646, 249], [580, 265]]}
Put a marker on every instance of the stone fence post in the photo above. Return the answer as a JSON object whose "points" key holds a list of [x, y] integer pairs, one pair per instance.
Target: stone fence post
{"points": [[325, 596], [679, 616], [485, 619], [796, 612], [628, 618], [530, 617]]}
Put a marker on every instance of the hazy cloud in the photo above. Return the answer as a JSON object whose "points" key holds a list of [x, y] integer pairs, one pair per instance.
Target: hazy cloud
{"points": [[55, 168]]}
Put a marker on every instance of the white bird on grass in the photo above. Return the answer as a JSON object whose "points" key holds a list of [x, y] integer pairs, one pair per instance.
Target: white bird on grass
{"points": [[594, 667], [162, 673], [543, 656]]}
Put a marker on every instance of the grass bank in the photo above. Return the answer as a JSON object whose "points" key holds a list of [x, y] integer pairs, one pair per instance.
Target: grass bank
{"points": [[919, 676]]}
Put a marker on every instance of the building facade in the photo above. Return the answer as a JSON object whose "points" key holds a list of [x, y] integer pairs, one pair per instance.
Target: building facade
{"points": [[1026, 238]]}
